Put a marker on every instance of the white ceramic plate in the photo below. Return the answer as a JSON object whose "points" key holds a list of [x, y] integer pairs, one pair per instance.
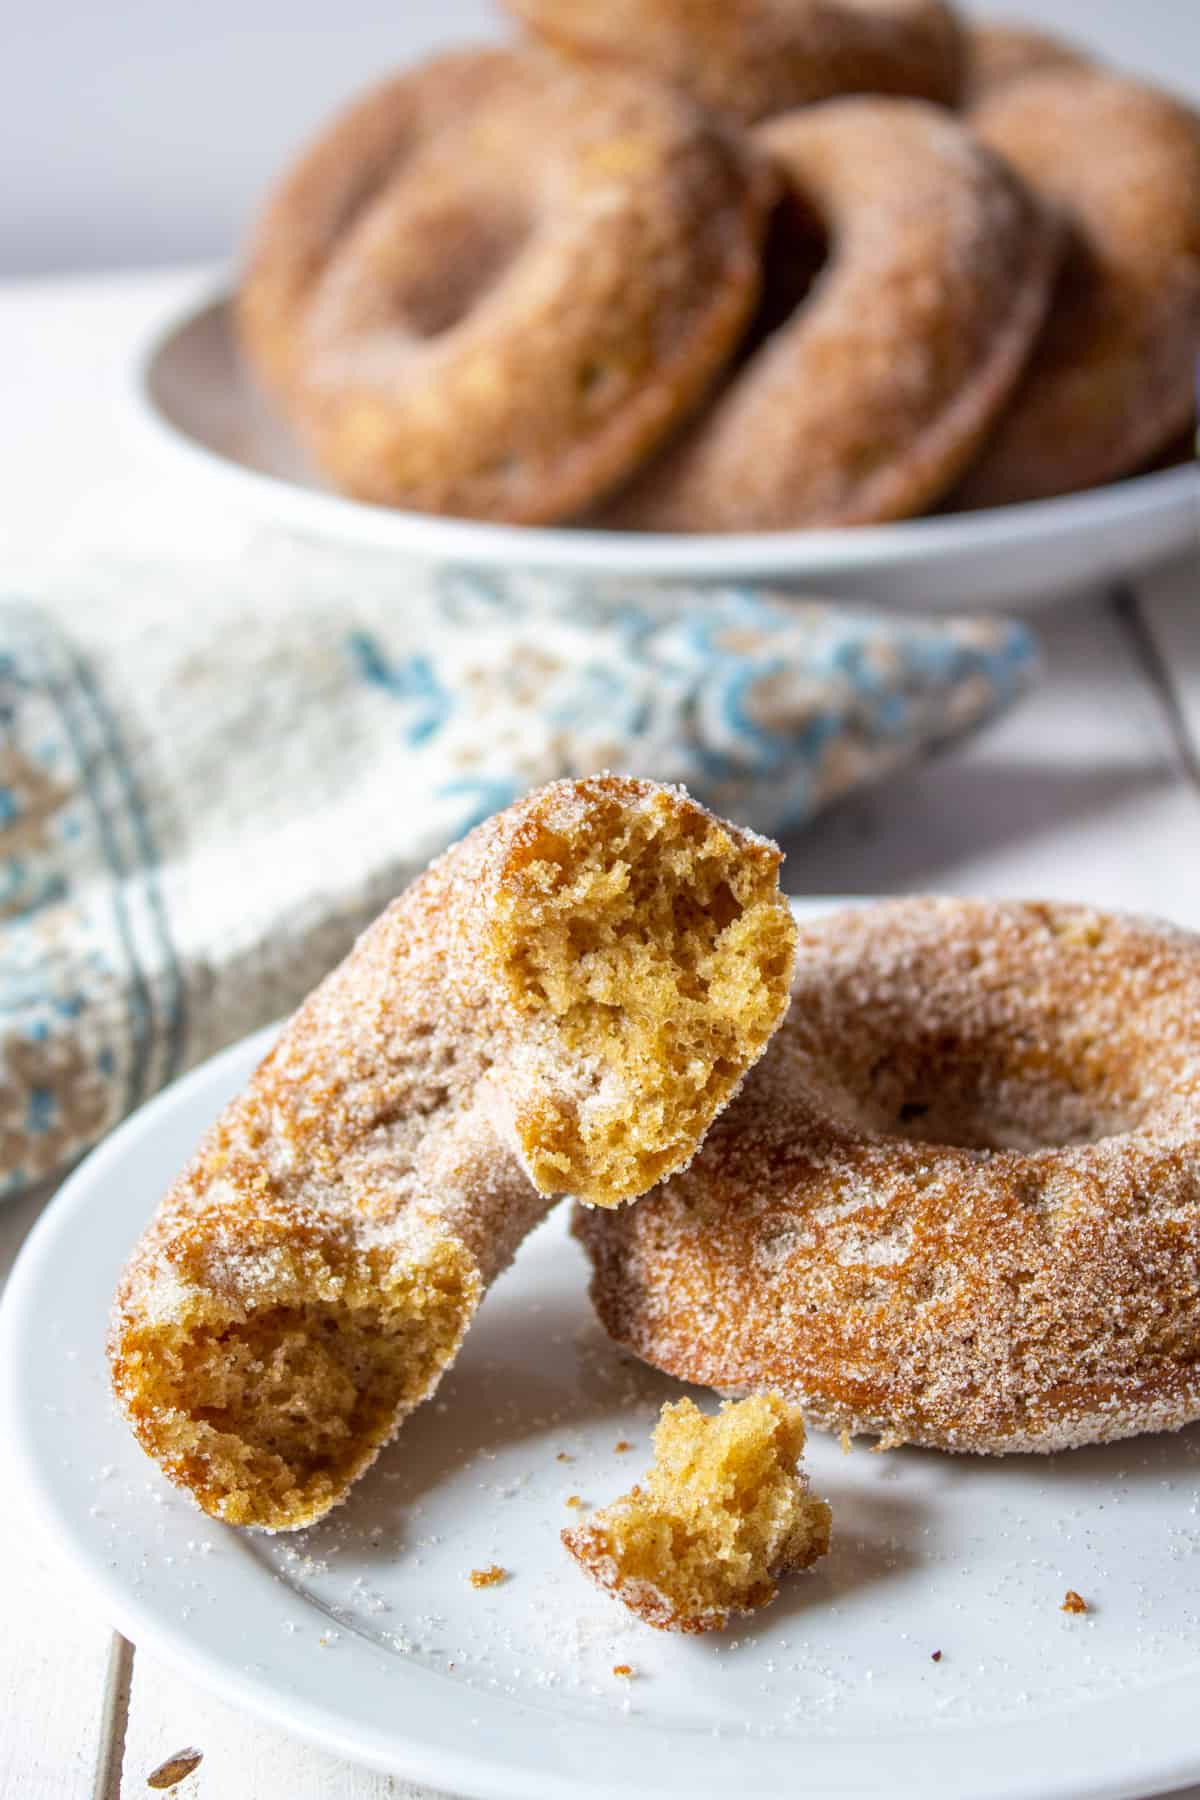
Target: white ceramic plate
{"points": [[193, 396], [365, 1635]]}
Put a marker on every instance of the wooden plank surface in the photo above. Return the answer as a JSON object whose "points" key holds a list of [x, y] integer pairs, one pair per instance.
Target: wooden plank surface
{"points": [[1083, 790], [241, 1759], [1169, 602]]}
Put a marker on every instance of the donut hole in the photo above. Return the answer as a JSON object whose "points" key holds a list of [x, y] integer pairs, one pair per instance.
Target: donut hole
{"points": [[266, 1404], [1080, 299], [468, 247], [990, 1096], [656, 950], [796, 248]]}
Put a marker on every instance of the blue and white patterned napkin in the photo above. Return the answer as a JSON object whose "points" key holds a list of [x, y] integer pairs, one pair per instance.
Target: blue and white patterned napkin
{"points": [[212, 777]]}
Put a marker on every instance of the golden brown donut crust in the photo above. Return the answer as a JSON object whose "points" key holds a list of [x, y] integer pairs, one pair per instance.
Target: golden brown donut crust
{"points": [[1111, 381], [750, 59], [869, 400], [958, 1203], [493, 284], [1000, 51], [562, 1002]]}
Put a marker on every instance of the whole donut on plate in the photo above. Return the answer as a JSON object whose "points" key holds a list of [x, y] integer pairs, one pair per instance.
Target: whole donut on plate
{"points": [[495, 283], [958, 1202], [875, 391]]}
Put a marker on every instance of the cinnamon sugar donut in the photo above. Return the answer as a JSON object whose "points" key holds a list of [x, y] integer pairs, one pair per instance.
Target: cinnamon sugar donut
{"points": [[1111, 381], [958, 1202], [1001, 51], [495, 282], [872, 396], [751, 58], [562, 1002]]}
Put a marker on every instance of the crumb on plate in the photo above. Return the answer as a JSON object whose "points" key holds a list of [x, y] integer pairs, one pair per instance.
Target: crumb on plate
{"points": [[721, 1514], [175, 1768], [489, 1577]]}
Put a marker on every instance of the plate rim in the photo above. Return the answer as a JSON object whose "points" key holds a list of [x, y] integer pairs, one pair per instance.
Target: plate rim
{"points": [[1110, 1760], [795, 555]]}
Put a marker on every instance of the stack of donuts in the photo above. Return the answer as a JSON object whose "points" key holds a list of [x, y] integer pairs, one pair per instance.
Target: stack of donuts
{"points": [[675, 265]]}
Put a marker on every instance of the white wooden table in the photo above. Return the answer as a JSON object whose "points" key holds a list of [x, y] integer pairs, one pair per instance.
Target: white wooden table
{"points": [[1091, 789]]}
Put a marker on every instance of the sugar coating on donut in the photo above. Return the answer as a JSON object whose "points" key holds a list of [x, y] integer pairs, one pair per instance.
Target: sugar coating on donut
{"points": [[1001, 51], [493, 285], [1111, 379], [310, 1275], [750, 59], [958, 1201], [925, 269], [722, 1514]]}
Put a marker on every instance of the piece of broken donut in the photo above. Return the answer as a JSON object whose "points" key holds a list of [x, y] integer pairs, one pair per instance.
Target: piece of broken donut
{"points": [[561, 1003], [721, 1516]]}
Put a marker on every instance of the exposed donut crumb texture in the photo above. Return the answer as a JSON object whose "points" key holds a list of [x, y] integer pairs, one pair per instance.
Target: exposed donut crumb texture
{"points": [[721, 1516], [491, 1576]]}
